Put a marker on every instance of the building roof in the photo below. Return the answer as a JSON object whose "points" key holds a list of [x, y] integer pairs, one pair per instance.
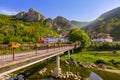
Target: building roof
{"points": [[101, 35], [63, 36], [49, 36]]}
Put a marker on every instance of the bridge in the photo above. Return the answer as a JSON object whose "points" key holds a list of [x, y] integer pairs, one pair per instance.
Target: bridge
{"points": [[13, 62]]}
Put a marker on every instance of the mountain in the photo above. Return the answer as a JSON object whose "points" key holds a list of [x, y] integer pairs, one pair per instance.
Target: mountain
{"points": [[79, 24], [58, 24], [30, 16], [63, 22], [108, 22], [26, 27]]}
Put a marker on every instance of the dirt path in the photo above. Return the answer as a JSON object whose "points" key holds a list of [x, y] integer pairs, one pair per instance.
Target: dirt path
{"points": [[114, 71]]}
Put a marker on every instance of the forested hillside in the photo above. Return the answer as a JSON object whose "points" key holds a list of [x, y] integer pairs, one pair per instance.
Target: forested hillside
{"points": [[13, 30], [108, 22], [80, 24], [28, 27]]}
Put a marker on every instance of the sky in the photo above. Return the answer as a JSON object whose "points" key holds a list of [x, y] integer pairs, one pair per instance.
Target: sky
{"points": [[80, 10]]}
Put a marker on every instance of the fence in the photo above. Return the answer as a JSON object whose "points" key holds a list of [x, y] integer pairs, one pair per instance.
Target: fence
{"points": [[8, 53]]}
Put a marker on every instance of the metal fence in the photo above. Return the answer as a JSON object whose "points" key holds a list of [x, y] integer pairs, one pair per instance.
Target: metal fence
{"points": [[8, 53]]}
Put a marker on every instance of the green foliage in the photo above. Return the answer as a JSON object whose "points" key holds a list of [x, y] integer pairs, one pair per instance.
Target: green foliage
{"points": [[78, 35], [107, 57], [108, 22], [104, 46], [84, 72], [100, 61], [12, 30]]}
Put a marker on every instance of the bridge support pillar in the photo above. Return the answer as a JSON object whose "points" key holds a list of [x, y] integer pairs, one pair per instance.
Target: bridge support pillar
{"points": [[57, 71], [68, 55]]}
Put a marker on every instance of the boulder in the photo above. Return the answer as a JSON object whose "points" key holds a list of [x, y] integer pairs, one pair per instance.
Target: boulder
{"points": [[42, 71], [20, 77], [101, 65]]}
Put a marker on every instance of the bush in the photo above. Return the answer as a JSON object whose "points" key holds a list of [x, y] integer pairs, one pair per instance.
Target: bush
{"points": [[100, 61], [104, 46]]}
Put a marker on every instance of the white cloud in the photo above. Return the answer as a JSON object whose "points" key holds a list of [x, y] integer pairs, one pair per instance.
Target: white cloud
{"points": [[8, 12]]}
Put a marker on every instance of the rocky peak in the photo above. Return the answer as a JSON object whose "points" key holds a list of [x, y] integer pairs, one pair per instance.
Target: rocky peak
{"points": [[31, 10], [31, 15], [20, 15]]}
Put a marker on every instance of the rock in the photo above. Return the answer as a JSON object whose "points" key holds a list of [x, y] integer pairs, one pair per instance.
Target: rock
{"points": [[101, 65], [79, 77], [51, 71], [94, 76], [49, 22], [15, 76], [67, 74], [93, 65], [10, 79], [80, 64], [20, 15], [75, 63], [20, 77], [42, 71], [32, 15]]}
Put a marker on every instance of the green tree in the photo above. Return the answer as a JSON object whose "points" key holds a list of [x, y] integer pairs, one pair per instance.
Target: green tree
{"points": [[1, 38], [78, 35]]}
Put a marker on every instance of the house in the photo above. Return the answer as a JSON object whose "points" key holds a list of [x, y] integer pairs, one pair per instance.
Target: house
{"points": [[50, 39], [101, 37], [63, 38]]}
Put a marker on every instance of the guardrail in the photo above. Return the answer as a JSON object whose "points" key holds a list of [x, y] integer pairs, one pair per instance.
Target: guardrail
{"points": [[11, 53]]}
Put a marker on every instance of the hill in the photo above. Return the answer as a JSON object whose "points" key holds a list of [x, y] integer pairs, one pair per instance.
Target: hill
{"points": [[26, 27], [108, 22], [64, 24], [79, 24], [22, 30]]}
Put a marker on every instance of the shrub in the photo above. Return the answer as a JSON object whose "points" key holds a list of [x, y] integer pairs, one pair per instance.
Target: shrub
{"points": [[100, 61], [104, 46]]}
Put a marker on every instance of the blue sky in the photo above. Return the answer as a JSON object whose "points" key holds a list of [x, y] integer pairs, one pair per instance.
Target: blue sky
{"points": [[81, 10]]}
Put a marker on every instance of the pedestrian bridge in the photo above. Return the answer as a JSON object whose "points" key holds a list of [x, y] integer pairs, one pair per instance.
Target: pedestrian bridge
{"points": [[13, 62]]}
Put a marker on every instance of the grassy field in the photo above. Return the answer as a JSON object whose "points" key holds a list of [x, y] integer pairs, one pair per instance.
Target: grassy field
{"points": [[111, 59], [50, 65]]}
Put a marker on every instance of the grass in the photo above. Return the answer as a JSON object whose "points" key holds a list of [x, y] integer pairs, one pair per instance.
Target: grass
{"points": [[112, 60], [50, 65], [86, 57]]}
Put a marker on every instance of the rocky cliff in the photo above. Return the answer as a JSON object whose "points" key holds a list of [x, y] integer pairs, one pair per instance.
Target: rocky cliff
{"points": [[30, 16]]}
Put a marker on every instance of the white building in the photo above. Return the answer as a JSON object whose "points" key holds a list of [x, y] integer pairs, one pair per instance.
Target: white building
{"points": [[50, 39], [101, 37], [63, 38]]}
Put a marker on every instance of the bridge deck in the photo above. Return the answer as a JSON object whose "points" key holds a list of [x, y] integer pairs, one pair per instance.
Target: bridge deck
{"points": [[26, 59]]}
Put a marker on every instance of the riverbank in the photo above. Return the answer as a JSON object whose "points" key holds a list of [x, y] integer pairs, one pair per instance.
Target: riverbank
{"points": [[33, 71]]}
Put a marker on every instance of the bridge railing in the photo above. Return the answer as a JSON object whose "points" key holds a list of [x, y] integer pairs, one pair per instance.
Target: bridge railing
{"points": [[10, 53]]}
